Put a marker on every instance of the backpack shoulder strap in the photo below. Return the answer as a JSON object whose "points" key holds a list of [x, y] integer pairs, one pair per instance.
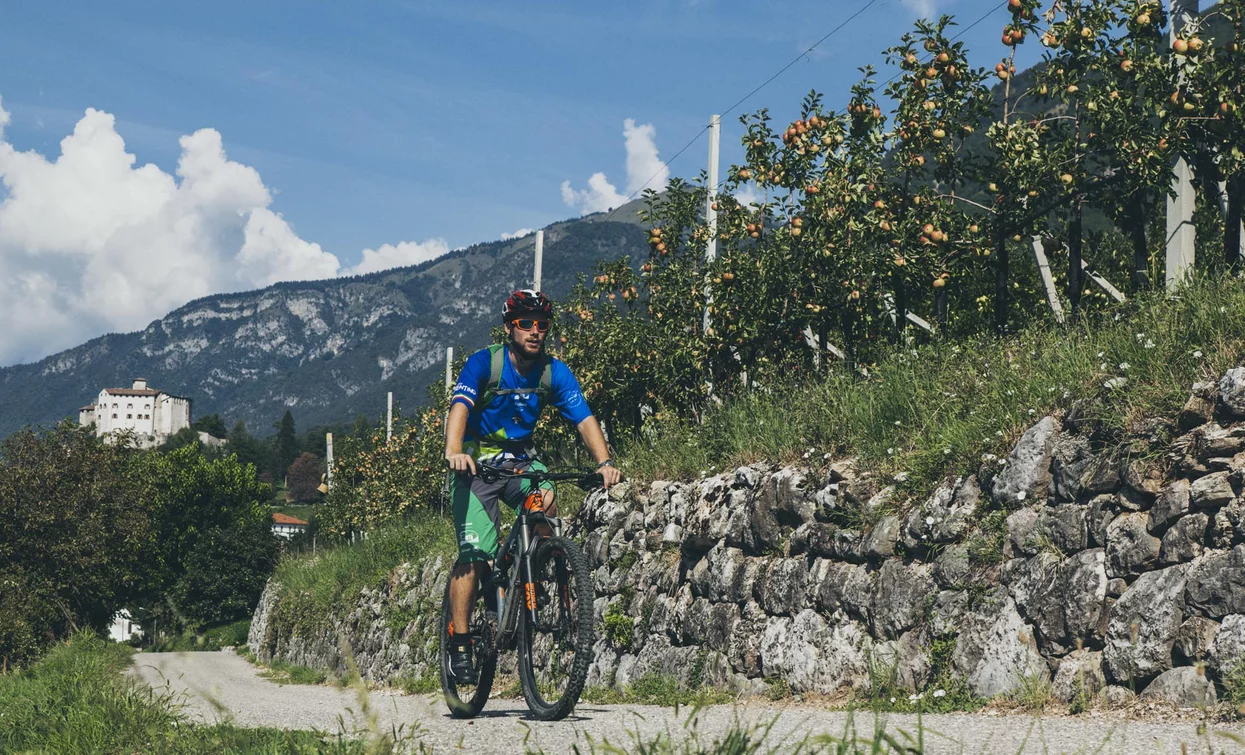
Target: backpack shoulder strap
{"points": [[497, 355]]}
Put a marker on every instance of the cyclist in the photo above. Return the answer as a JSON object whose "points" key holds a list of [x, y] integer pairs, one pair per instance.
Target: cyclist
{"points": [[493, 412]]}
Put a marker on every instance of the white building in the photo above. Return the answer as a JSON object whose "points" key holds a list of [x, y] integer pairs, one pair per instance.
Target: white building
{"points": [[151, 415], [286, 526]]}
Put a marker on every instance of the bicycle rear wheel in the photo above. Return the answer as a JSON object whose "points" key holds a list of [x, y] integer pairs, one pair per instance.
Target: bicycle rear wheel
{"points": [[465, 701], [554, 654]]}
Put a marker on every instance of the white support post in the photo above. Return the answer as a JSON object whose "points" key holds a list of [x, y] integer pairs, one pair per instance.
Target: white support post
{"points": [[1114, 292], [919, 321], [1223, 211], [540, 254], [1181, 234], [711, 217], [328, 460], [1048, 281], [389, 418], [449, 362]]}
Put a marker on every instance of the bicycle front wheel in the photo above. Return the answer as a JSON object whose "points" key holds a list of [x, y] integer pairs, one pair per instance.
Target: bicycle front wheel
{"points": [[555, 652], [466, 701]]}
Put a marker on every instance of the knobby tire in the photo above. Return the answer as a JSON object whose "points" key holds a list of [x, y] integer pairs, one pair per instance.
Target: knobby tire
{"points": [[579, 637], [484, 657]]}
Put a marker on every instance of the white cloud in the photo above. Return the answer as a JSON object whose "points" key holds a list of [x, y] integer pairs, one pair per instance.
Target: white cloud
{"points": [[401, 255], [644, 170], [91, 241], [518, 234], [922, 8]]}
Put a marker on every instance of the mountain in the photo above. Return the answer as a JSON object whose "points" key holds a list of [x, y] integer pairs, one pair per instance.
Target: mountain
{"points": [[326, 350]]}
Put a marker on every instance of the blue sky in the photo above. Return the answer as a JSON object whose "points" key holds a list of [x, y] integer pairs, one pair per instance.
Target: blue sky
{"points": [[375, 123]]}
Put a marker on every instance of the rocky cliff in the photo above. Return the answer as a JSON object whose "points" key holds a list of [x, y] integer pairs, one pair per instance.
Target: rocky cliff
{"points": [[1096, 566]]}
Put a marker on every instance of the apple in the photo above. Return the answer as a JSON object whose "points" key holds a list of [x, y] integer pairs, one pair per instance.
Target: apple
{"points": [[728, 277], [797, 222], [943, 57], [1066, 178], [1195, 43], [744, 174], [1086, 32], [1143, 19], [939, 133], [939, 282], [1180, 46], [1072, 89], [1126, 65], [796, 232], [1015, 5]]}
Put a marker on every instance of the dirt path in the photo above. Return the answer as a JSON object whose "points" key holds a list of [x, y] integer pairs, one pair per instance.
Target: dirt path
{"points": [[223, 686]]}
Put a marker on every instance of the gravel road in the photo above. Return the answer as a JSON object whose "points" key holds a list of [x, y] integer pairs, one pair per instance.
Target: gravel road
{"points": [[223, 686]]}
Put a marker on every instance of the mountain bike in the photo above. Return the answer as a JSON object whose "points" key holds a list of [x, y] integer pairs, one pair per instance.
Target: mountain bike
{"points": [[537, 598]]}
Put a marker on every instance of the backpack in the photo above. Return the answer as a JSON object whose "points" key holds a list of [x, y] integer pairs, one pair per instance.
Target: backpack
{"points": [[495, 371]]}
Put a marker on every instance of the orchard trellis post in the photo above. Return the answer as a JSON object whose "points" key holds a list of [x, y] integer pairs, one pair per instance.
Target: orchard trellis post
{"points": [[389, 418], [711, 215], [540, 254], [1181, 234], [328, 459]]}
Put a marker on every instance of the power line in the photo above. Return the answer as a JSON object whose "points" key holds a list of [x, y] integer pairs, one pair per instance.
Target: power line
{"points": [[743, 99], [780, 72]]}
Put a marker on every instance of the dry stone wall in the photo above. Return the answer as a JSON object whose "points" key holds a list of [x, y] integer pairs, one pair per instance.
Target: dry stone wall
{"points": [[1098, 565]]}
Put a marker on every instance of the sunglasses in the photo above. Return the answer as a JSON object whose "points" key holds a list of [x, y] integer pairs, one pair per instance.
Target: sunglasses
{"points": [[540, 325]]}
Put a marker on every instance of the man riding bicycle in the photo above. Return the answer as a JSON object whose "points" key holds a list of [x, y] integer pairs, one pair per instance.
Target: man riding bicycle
{"points": [[493, 412]]}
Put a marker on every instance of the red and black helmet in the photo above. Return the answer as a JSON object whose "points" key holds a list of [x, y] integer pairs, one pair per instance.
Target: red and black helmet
{"points": [[526, 303]]}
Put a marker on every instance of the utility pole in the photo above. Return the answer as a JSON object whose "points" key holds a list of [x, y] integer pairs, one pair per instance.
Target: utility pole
{"points": [[540, 254], [1181, 234], [389, 419]]}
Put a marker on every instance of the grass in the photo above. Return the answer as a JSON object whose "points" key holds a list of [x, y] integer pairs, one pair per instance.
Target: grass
{"points": [[76, 700], [314, 586], [657, 689], [935, 409], [303, 512], [208, 638], [281, 672]]}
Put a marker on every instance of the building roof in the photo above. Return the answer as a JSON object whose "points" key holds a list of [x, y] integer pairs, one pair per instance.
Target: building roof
{"points": [[87, 408], [278, 518], [132, 392]]}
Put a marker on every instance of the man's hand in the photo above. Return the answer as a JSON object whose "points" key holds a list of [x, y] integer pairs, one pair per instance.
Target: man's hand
{"points": [[461, 462], [609, 476]]}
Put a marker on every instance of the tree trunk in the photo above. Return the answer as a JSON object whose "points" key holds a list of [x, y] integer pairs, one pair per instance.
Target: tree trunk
{"points": [[1232, 225], [1137, 234], [940, 309], [849, 343], [901, 303], [1000, 279], [1075, 278]]}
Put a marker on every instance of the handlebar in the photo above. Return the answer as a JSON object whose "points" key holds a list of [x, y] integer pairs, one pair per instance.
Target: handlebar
{"points": [[583, 478]]}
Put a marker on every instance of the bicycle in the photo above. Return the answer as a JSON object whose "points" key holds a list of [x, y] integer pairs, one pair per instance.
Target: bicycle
{"points": [[553, 633]]}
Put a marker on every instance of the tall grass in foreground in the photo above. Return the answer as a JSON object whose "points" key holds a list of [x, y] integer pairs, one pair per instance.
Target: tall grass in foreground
{"points": [[934, 409], [76, 700]]}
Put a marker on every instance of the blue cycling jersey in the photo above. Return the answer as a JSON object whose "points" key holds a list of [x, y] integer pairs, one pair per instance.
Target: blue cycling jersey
{"points": [[504, 428]]}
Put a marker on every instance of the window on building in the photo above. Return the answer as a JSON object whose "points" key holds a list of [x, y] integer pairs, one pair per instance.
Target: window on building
{"points": [[114, 415], [129, 416]]}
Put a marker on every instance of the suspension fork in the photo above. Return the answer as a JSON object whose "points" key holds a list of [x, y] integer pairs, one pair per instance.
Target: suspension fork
{"points": [[529, 582]]}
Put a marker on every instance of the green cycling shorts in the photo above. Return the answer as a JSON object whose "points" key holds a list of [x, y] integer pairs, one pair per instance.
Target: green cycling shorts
{"points": [[477, 516]]}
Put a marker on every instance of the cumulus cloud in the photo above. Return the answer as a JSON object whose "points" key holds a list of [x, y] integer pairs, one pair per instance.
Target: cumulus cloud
{"points": [[91, 241], [645, 170], [401, 255], [518, 234]]}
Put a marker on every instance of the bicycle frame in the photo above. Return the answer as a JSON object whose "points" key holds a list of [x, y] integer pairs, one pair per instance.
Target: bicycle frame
{"points": [[519, 574]]}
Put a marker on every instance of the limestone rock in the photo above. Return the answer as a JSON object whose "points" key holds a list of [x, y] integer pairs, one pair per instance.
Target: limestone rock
{"points": [[943, 518], [1102, 509], [904, 662], [1071, 455], [1116, 697], [1079, 676], [744, 647], [1130, 548], [880, 543], [1064, 526], [783, 590], [1027, 476], [1102, 475], [1228, 646], [948, 611], [1212, 491], [836, 586], [1064, 600], [1216, 583], [813, 657], [1022, 531], [1183, 542], [1171, 504], [1197, 411], [1184, 687], [899, 597], [1232, 392], [995, 650], [952, 568], [1194, 639], [1143, 625]]}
